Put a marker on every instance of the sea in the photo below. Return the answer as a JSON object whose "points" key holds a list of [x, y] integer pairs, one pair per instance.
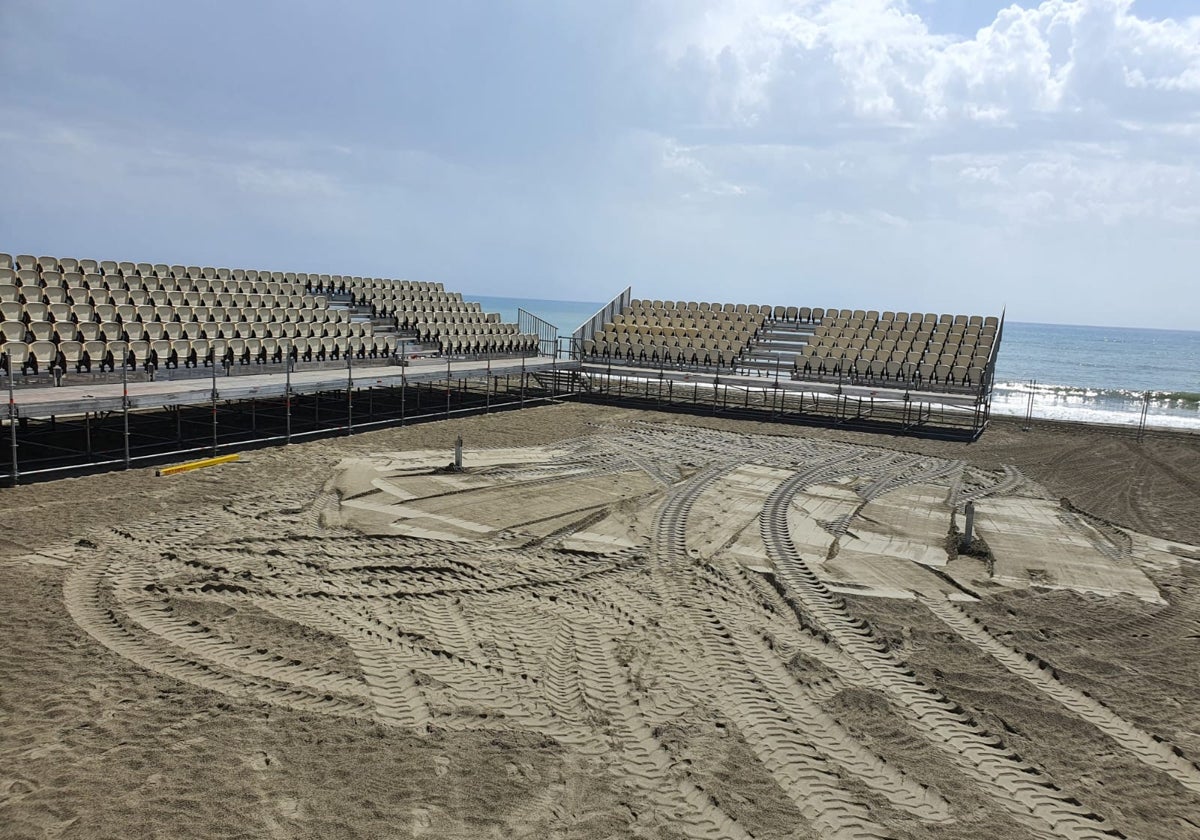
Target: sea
{"points": [[1080, 373]]}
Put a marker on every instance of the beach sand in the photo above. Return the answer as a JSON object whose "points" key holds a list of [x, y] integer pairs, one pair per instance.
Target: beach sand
{"points": [[612, 624]]}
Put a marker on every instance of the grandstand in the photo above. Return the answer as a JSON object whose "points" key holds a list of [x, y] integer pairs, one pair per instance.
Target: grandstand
{"points": [[927, 351], [85, 315], [108, 362], [919, 371]]}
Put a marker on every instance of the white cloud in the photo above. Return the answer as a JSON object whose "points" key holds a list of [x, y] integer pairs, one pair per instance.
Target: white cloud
{"points": [[878, 60]]}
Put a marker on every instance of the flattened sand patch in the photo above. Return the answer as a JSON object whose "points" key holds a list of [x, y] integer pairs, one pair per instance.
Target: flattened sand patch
{"points": [[1036, 542]]}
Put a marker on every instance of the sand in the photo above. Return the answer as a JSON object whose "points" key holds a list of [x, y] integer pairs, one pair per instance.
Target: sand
{"points": [[611, 624]]}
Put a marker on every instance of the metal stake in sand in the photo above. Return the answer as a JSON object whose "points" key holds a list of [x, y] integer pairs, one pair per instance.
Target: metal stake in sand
{"points": [[12, 419], [125, 408], [213, 398], [1145, 416], [458, 453], [349, 392], [287, 394]]}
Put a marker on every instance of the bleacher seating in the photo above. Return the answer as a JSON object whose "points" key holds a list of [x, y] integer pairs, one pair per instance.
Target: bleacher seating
{"points": [[85, 315], [677, 332], [892, 349], [901, 349]]}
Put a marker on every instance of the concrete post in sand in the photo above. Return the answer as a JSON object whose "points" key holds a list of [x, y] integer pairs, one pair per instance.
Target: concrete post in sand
{"points": [[458, 453], [968, 532]]}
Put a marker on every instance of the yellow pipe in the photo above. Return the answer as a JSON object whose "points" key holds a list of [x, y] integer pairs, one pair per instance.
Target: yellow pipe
{"points": [[197, 465]]}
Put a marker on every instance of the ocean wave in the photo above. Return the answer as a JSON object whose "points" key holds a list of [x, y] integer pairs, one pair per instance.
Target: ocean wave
{"points": [[1172, 399], [1111, 406]]}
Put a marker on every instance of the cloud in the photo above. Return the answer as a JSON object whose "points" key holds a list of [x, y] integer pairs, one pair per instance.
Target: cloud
{"points": [[877, 60]]}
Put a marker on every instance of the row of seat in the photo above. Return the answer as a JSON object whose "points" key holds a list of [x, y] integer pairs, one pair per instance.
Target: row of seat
{"points": [[82, 312], [711, 353], [431, 331], [192, 272], [495, 344], [150, 330], [42, 356], [637, 307], [931, 345], [160, 297], [892, 372]]}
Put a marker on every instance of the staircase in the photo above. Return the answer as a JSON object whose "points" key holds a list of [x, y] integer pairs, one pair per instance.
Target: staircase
{"points": [[566, 381], [776, 346]]}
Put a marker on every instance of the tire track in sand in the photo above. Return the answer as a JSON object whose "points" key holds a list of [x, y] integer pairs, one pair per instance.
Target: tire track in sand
{"points": [[780, 742], [1012, 782], [1148, 749]]}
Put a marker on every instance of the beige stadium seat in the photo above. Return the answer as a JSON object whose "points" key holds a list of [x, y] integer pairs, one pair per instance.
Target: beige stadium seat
{"points": [[43, 355], [218, 351], [312, 347], [6, 261], [47, 263], [95, 354], [198, 352], [71, 354], [254, 350], [13, 331], [160, 353], [237, 346], [118, 350], [59, 312], [16, 356], [87, 331], [180, 352], [41, 331], [12, 310]]}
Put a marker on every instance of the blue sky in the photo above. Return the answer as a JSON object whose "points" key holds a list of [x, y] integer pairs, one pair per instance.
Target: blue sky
{"points": [[922, 155]]}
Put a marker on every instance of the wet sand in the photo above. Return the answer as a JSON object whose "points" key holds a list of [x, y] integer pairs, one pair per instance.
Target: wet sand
{"points": [[612, 624]]}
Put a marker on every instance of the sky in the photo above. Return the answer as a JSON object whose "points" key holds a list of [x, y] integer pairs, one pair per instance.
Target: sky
{"points": [[958, 156]]}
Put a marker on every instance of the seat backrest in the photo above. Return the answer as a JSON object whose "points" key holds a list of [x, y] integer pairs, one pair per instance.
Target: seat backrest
{"points": [[72, 351]]}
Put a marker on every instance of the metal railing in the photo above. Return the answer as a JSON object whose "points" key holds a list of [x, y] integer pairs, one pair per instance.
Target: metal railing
{"points": [[594, 324], [547, 333]]}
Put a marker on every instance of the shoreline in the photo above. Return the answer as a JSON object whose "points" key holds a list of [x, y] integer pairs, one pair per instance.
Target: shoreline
{"points": [[1120, 429]]}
